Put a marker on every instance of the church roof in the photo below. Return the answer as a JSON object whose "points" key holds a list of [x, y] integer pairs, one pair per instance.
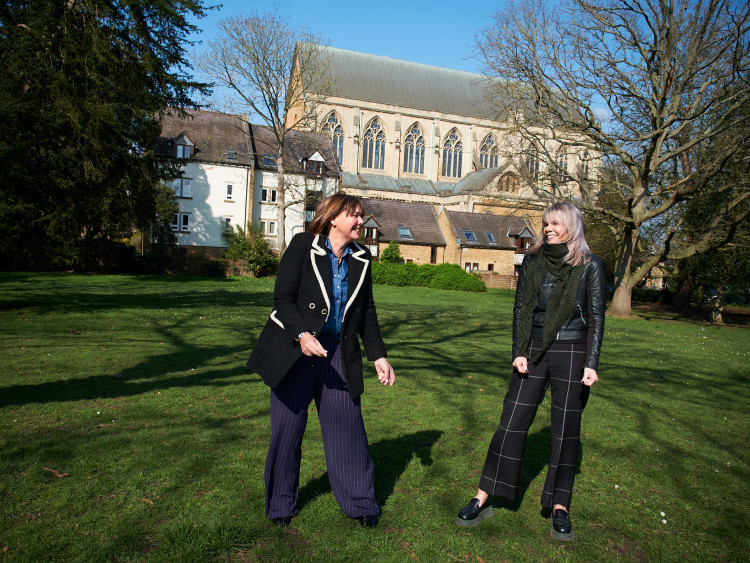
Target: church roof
{"points": [[373, 78]]}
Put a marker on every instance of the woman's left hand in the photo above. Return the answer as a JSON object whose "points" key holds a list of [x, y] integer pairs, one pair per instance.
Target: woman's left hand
{"points": [[589, 377], [385, 371]]}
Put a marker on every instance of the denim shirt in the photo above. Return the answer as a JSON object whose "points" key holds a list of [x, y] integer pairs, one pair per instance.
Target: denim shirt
{"points": [[340, 289]]}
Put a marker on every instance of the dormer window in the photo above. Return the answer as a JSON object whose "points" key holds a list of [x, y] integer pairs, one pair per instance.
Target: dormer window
{"points": [[184, 146], [313, 164], [314, 169], [470, 236], [183, 151]]}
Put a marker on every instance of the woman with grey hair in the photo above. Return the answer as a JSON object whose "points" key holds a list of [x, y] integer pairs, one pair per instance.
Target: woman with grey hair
{"points": [[558, 324]]}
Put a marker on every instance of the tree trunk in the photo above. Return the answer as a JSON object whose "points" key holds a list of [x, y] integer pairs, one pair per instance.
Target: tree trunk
{"points": [[621, 305], [717, 315], [621, 301], [280, 201], [686, 285]]}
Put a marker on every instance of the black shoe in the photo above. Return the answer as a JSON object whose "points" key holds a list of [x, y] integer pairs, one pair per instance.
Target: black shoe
{"points": [[369, 521], [473, 513], [562, 529], [282, 520]]}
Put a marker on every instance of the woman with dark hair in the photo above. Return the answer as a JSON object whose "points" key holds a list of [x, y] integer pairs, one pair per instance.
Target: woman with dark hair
{"points": [[309, 350], [558, 325]]}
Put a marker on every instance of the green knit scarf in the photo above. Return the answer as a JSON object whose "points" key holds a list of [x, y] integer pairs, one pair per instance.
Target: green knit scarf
{"points": [[562, 299]]}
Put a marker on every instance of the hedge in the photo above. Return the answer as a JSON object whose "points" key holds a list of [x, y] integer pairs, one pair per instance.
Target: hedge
{"points": [[443, 276]]}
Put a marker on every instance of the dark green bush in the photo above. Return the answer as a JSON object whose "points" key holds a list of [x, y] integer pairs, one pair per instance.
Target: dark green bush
{"points": [[443, 276]]}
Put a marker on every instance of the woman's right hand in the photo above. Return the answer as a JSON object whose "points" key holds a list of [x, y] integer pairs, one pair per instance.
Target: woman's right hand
{"points": [[521, 364], [311, 346]]}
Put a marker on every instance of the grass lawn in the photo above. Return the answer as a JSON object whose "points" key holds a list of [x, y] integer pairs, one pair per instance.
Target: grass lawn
{"points": [[130, 430]]}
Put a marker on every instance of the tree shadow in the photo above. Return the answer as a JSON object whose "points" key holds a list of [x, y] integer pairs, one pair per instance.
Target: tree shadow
{"points": [[391, 458]]}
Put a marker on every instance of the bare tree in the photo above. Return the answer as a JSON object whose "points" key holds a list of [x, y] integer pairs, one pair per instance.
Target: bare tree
{"points": [[657, 89], [274, 71]]}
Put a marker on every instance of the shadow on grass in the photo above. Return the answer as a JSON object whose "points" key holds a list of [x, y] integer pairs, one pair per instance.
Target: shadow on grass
{"points": [[391, 457], [175, 369]]}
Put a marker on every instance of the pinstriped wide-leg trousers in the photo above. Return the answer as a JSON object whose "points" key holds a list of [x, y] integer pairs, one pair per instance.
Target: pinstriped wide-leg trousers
{"points": [[350, 467], [561, 368]]}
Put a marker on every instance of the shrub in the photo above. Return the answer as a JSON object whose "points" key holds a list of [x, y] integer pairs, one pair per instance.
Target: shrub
{"points": [[452, 276], [252, 246], [391, 255]]}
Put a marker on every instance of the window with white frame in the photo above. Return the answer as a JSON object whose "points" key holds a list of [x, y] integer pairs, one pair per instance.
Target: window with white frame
{"points": [[333, 128], [452, 155], [488, 154], [373, 146], [414, 151], [181, 222], [228, 223], [230, 190], [268, 195], [183, 187], [268, 227]]}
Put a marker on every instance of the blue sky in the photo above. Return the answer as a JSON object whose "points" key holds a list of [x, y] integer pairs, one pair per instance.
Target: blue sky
{"points": [[434, 32]]}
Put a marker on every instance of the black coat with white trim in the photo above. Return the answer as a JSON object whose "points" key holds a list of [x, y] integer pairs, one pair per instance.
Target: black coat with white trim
{"points": [[302, 303]]}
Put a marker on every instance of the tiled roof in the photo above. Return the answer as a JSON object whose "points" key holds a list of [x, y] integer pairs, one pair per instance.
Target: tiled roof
{"points": [[417, 217], [217, 136], [298, 145], [501, 227]]}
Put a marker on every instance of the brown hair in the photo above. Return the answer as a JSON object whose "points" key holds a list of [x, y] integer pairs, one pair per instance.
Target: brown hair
{"points": [[330, 207]]}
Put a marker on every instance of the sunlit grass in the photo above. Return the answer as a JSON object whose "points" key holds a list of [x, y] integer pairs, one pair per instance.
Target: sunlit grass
{"points": [[131, 430]]}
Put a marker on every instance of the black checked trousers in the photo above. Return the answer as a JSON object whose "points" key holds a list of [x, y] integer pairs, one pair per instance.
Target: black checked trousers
{"points": [[560, 368]]}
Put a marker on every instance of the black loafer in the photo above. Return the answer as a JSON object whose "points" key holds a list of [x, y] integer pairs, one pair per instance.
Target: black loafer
{"points": [[473, 513], [562, 529], [282, 520], [369, 521]]}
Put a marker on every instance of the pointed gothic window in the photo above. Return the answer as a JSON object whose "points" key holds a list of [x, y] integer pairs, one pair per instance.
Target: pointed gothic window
{"points": [[488, 154], [452, 155], [373, 146], [532, 164], [414, 151], [333, 128]]}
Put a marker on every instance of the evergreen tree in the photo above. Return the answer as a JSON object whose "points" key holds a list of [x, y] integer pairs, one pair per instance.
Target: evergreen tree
{"points": [[82, 86]]}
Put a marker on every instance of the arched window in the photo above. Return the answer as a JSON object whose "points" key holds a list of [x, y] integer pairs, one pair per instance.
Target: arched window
{"points": [[336, 132], [373, 146], [414, 151], [562, 167], [488, 154], [532, 164], [585, 161], [452, 155], [509, 183]]}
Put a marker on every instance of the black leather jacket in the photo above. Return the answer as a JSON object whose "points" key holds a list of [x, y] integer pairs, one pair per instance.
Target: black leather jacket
{"points": [[588, 316]]}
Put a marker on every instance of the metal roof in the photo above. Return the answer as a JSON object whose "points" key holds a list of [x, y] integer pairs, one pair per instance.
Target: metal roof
{"points": [[473, 181], [372, 78]]}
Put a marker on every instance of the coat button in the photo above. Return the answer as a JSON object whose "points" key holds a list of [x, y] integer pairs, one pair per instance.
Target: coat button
{"points": [[312, 305], [324, 312]]}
